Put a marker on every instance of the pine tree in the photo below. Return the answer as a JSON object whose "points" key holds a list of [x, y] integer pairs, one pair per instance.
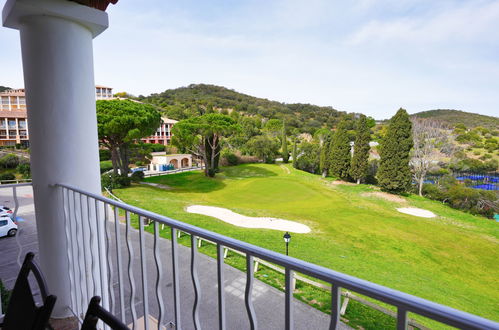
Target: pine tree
{"points": [[295, 152], [360, 159], [340, 156], [285, 153], [394, 173]]}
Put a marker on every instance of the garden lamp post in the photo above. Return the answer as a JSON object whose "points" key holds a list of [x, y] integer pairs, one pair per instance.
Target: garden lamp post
{"points": [[287, 238]]}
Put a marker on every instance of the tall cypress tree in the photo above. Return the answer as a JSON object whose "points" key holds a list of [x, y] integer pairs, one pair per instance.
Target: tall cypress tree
{"points": [[340, 156], [394, 173], [324, 160], [360, 159], [295, 152], [284, 149]]}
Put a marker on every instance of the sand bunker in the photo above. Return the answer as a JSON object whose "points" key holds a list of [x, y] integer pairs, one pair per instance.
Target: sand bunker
{"points": [[248, 222], [416, 212]]}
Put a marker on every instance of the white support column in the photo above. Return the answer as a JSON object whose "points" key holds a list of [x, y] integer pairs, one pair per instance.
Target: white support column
{"points": [[57, 54]]}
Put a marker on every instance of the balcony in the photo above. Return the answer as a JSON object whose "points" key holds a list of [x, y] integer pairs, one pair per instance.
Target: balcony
{"points": [[92, 245], [176, 286]]}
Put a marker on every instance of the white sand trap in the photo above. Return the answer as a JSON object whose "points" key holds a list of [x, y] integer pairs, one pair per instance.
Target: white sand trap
{"points": [[416, 212], [248, 222]]}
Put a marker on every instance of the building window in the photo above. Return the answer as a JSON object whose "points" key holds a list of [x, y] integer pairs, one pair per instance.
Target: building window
{"points": [[12, 123], [12, 133]]}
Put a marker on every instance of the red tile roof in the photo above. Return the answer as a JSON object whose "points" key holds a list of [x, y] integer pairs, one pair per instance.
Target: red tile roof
{"points": [[97, 4]]}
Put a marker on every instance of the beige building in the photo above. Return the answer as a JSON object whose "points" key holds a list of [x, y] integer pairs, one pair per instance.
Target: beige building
{"points": [[14, 118], [164, 162]]}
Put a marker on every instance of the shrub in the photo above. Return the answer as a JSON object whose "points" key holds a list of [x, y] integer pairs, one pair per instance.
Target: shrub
{"points": [[5, 295], [114, 181], [104, 154], [105, 166], [486, 156], [9, 161], [25, 170], [7, 176], [137, 176], [155, 147], [459, 196], [229, 159], [476, 152], [433, 192], [139, 163]]}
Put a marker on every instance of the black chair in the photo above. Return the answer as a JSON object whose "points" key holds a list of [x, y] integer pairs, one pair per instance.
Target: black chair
{"points": [[22, 311], [95, 313]]}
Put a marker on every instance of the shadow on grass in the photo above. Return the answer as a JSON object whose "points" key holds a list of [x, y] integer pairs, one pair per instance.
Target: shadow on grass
{"points": [[197, 182], [189, 182], [246, 171]]}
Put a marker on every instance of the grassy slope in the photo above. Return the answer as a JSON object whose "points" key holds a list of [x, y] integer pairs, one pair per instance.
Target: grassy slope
{"points": [[453, 117], [451, 259]]}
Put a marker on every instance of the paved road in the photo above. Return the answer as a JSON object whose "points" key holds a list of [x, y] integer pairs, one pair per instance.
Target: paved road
{"points": [[268, 301]]}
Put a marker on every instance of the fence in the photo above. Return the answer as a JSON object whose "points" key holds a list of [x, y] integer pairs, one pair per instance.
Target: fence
{"points": [[84, 210], [484, 181], [179, 170]]}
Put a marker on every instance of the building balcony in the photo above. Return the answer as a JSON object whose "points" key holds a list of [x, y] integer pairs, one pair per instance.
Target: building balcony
{"points": [[139, 273]]}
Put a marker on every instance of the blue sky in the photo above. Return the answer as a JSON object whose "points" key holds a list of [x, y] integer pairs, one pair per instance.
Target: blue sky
{"points": [[369, 56]]}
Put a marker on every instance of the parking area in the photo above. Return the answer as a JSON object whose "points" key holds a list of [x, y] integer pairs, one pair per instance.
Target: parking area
{"points": [[13, 249]]}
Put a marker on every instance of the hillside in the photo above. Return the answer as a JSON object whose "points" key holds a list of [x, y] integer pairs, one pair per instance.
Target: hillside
{"points": [[3, 88], [194, 99], [454, 117]]}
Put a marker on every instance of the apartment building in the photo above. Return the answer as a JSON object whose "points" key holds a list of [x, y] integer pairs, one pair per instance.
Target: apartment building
{"points": [[163, 134], [14, 118], [103, 92]]}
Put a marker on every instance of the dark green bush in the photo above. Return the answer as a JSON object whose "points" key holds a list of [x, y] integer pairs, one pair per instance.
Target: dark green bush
{"points": [[7, 176], [114, 181], [230, 159], [104, 154], [154, 147], [9, 161], [460, 197], [25, 170], [5, 295], [137, 176]]}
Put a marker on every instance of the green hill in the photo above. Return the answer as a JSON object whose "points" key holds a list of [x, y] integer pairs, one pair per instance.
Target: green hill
{"points": [[196, 99], [454, 117]]}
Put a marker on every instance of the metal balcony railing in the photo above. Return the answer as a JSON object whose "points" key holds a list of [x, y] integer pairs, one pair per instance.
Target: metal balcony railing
{"points": [[84, 211]]}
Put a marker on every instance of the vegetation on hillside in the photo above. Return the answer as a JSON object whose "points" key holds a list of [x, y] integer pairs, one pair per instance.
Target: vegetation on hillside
{"points": [[4, 88], [455, 117], [194, 100]]}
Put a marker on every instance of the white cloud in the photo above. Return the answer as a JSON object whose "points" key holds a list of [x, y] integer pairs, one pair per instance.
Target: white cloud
{"points": [[470, 22]]}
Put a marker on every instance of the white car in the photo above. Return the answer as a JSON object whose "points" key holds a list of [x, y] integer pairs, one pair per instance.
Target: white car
{"points": [[5, 210], [7, 226]]}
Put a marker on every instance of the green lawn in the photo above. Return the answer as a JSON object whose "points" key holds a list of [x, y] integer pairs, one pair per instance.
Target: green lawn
{"points": [[451, 259]]}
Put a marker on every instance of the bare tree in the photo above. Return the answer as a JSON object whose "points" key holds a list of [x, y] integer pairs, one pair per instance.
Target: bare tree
{"points": [[430, 138]]}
